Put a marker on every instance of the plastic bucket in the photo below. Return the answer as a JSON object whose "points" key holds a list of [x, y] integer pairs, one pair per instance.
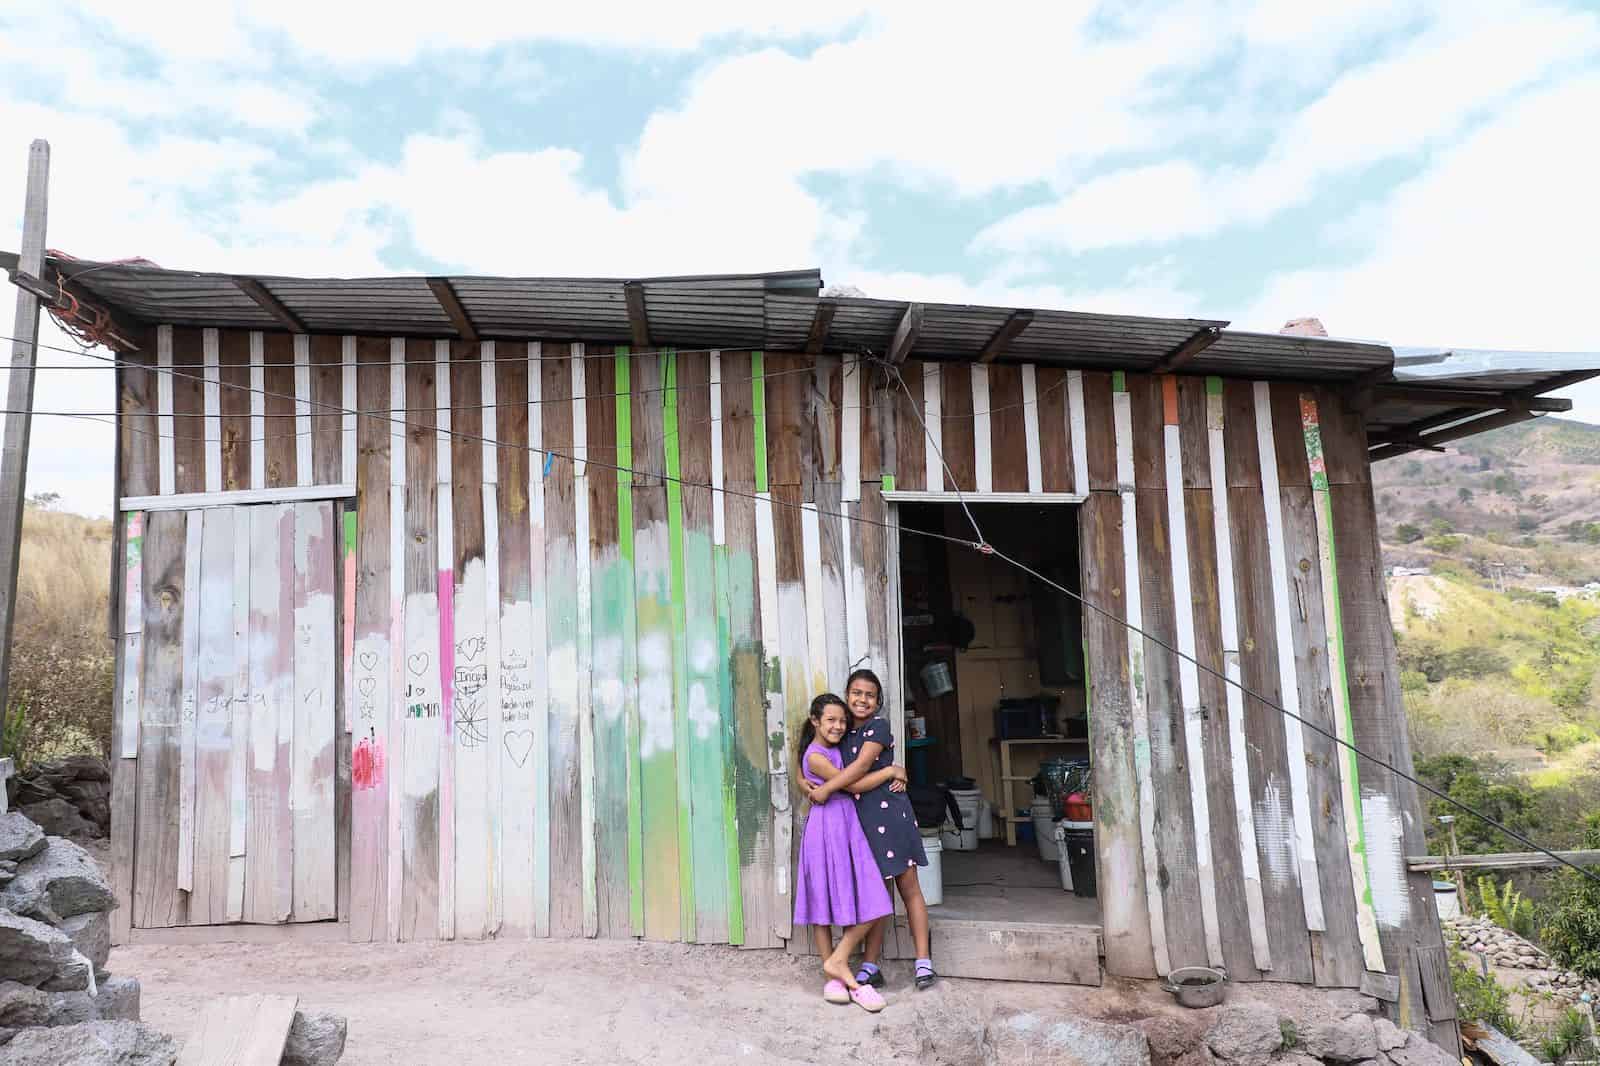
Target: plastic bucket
{"points": [[1044, 830], [1079, 840], [1063, 862], [931, 876], [985, 820], [953, 839]]}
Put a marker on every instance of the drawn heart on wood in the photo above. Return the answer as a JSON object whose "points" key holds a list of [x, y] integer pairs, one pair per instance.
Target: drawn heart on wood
{"points": [[519, 743], [470, 648], [369, 661], [367, 685], [418, 663]]}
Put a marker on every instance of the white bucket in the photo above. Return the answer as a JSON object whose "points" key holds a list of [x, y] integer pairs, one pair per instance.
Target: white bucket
{"points": [[1059, 834], [968, 800], [931, 876], [985, 820], [1044, 829], [953, 839], [936, 679]]}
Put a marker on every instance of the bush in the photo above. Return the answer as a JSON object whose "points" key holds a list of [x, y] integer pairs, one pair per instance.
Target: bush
{"points": [[1561, 739], [1507, 908], [1480, 998], [1482, 787], [1406, 533], [1444, 543], [1568, 1039], [1570, 931]]}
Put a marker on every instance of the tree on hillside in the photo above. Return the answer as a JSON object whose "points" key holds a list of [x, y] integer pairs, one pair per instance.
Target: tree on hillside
{"points": [[1406, 533], [1468, 781], [1464, 494], [1571, 929]]}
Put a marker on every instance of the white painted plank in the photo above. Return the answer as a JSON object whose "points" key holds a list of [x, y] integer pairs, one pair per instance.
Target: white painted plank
{"points": [[311, 767], [445, 655], [302, 409], [470, 752], [185, 501], [855, 602], [347, 421], [258, 411], [1077, 432], [778, 750], [1243, 804], [719, 500], [1030, 426], [133, 630], [1189, 688], [208, 903], [538, 625], [167, 463], [816, 614], [212, 401], [1294, 732], [493, 700], [394, 709], [580, 412], [933, 424], [849, 433], [190, 700], [580, 537], [1122, 419], [982, 442], [238, 755]]}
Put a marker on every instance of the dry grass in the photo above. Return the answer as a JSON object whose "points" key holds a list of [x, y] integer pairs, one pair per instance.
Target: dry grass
{"points": [[62, 667]]}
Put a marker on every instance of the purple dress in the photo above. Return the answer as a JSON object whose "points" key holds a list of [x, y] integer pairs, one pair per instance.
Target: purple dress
{"points": [[838, 881]]}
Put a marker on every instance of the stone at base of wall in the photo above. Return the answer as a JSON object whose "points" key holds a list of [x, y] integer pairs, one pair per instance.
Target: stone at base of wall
{"points": [[91, 1044], [1257, 1035]]}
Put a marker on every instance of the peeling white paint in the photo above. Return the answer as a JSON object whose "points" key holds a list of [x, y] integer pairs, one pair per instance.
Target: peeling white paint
{"points": [[655, 694], [1386, 867], [1275, 834]]}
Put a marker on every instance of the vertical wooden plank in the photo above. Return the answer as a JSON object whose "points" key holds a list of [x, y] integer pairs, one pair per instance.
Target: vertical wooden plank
{"points": [[538, 463], [1055, 435], [585, 647], [258, 410], [311, 772], [777, 733], [1233, 696], [745, 700], [188, 409], [268, 884], [139, 429], [625, 601], [1138, 697], [208, 901], [446, 660], [561, 612], [960, 428], [816, 600], [423, 550], [473, 702], [397, 709], [1009, 455], [344, 525], [302, 410], [849, 431], [125, 768], [907, 398], [164, 428], [982, 430], [371, 759], [1130, 917], [1188, 674], [518, 665], [658, 777], [234, 400], [1030, 424], [1349, 773], [1077, 432], [494, 696], [156, 901], [611, 587], [932, 424], [348, 349], [723, 697], [1100, 457], [213, 409], [279, 416], [194, 531], [327, 400]]}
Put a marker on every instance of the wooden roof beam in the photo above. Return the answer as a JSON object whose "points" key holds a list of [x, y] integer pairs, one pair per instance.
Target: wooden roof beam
{"points": [[270, 304], [906, 334], [1202, 339], [1019, 321], [821, 322], [450, 303], [1456, 432], [638, 321], [1469, 398]]}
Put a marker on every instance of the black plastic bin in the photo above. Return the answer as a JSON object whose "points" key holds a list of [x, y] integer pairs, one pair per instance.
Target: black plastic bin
{"points": [[1080, 856]]}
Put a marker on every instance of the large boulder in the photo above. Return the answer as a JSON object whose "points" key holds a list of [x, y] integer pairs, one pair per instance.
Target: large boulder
{"points": [[115, 1000], [20, 837], [316, 1038], [60, 818], [1350, 1039], [32, 952], [91, 1044], [59, 882], [22, 1005], [1246, 1035], [1028, 1036], [1420, 1051], [91, 935], [119, 1000]]}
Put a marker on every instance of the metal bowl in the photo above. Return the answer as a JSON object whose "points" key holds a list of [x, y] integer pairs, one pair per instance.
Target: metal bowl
{"points": [[1197, 986]]}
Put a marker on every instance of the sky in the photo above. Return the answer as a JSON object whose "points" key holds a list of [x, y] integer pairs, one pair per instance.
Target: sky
{"points": [[1411, 172]]}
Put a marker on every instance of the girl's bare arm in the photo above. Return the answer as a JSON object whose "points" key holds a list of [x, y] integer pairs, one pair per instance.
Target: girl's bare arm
{"points": [[827, 771]]}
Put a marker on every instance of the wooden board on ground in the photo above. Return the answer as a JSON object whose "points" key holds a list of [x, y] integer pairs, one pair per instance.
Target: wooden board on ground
{"points": [[1008, 951], [240, 1031]]}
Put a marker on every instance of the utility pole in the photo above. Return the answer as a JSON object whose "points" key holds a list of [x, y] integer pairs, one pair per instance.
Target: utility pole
{"points": [[24, 356]]}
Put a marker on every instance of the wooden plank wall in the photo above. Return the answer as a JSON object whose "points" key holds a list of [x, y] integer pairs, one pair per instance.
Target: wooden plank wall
{"points": [[621, 767]]}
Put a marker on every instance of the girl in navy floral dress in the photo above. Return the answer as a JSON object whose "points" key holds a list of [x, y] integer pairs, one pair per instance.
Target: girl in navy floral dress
{"points": [[888, 821]]}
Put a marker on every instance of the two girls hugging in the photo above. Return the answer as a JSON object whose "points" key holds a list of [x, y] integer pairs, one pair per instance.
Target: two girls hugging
{"points": [[860, 834]]}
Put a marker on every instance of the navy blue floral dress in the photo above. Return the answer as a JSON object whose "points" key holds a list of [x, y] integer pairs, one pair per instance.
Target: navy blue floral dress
{"points": [[886, 816]]}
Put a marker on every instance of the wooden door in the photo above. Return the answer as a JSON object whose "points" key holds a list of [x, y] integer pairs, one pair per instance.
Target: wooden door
{"points": [[238, 698]]}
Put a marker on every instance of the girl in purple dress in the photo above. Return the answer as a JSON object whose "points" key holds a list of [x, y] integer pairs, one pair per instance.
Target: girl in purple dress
{"points": [[838, 882]]}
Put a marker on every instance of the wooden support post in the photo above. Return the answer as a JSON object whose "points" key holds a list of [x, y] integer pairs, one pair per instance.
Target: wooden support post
{"points": [[19, 400], [821, 321], [1202, 339], [905, 334], [270, 304], [997, 345], [638, 320], [450, 303]]}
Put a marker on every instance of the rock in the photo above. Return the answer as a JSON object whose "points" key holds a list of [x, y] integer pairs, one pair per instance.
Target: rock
{"points": [[32, 952], [59, 818], [1350, 1039], [316, 1037], [91, 1044], [76, 974], [1029, 1036], [72, 1008], [21, 1005], [82, 768], [8, 872], [1387, 1034], [119, 1001], [1247, 1035], [91, 935], [20, 837], [1420, 1051], [59, 882]]}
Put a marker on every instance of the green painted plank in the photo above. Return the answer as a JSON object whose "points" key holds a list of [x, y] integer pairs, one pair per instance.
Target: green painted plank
{"points": [[680, 644], [732, 772], [630, 637], [758, 409], [703, 720]]}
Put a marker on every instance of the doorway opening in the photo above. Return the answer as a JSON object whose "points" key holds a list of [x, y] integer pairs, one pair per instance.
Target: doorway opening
{"points": [[996, 707]]}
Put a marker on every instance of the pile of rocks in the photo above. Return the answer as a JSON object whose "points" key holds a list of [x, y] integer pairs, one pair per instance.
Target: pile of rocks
{"points": [[1255, 1035], [1505, 949], [68, 797]]}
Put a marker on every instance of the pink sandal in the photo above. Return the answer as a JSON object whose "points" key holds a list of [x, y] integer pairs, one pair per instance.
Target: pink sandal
{"points": [[835, 992], [867, 998]]}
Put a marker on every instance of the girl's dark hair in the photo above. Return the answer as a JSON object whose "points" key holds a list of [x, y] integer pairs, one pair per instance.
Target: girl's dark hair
{"points": [[808, 732], [866, 675]]}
